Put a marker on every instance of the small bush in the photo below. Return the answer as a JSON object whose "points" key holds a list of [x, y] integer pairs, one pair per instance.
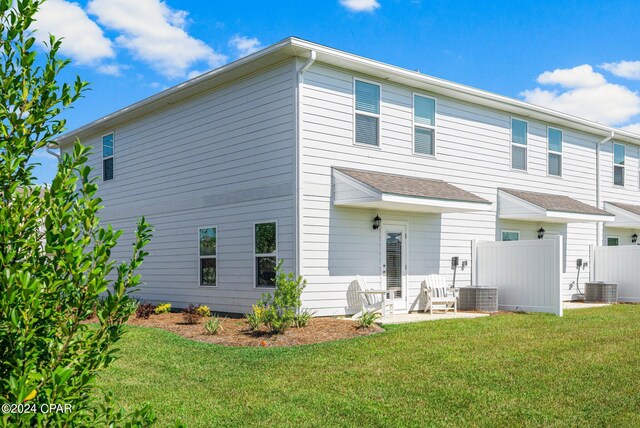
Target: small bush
{"points": [[190, 316], [302, 319], [367, 319], [212, 326], [203, 311], [145, 310], [163, 308]]}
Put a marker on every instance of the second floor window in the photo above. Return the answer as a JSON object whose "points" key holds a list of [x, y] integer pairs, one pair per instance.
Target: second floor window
{"points": [[518, 144], [554, 146], [367, 121], [618, 164], [107, 157], [424, 125]]}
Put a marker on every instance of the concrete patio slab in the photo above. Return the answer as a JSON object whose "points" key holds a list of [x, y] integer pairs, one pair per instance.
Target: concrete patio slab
{"points": [[420, 316], [583, 305]]}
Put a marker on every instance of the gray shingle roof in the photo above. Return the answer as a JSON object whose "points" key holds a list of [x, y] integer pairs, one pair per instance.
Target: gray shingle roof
{"points": [[411, 186], [552, 202], [633, 209]]}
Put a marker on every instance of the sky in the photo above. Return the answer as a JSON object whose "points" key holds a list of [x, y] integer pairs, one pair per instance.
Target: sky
{"points": [[579, 57]]}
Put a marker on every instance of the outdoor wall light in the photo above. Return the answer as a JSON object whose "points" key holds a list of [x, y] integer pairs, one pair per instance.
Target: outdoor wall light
{"points": [[634, 238], [540, 233], [377, 221]]}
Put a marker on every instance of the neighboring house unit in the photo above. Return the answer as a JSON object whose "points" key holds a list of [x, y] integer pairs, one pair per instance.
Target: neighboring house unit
{"points": [[293, 151]]}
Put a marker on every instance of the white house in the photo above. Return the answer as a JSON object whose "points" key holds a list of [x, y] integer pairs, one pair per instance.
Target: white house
{"points": [[290, 153]]}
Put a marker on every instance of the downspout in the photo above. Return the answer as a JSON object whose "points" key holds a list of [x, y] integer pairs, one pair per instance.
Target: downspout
{"points": [[599, 225], [52, 153], [298, 150]]}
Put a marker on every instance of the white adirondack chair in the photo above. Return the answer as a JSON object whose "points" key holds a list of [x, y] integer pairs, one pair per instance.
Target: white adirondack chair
{"points": [[376, 300], [440, 295]]}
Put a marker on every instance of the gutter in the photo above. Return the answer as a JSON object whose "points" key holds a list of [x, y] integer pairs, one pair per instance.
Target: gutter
{"points": [[298, 155], [600, 225]]}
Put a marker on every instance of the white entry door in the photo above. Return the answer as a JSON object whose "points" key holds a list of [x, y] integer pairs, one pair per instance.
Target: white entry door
{"points": [[394, 262]]}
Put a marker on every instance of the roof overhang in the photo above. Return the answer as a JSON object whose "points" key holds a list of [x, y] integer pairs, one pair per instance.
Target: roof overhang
{"points": [[511, 207], [350, 192], [624, 219], [296, 48]]}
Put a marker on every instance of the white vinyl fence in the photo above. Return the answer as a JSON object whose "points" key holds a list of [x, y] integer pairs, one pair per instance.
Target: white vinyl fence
{"points": [[528, 273], [621, 265]]}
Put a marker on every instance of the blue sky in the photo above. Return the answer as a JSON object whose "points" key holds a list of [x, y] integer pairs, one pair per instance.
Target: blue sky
{"points": [[581, 57]]}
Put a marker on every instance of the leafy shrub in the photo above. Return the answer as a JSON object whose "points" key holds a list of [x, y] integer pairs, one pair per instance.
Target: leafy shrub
{"points": [[302, 318], [213, 326], [203, 311], [145, 310], [189, 315], [163, 308], [280, 308], [256, 317], [367, 319]]}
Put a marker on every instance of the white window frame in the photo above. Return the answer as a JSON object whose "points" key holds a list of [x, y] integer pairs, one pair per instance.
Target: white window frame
{"points": [[113, 154], [420, 125], [623, 166], [549, 151], [256, 255], [365, 113], [200, 257], [613, 237], [503, 231], [525, 146]]}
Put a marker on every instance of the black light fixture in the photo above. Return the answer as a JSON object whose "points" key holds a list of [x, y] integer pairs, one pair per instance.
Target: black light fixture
{"points": [[634, 238], [377, 221], [540, 233]]}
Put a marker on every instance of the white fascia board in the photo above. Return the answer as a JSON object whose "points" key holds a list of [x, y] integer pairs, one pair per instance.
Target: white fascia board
{"points": [[578, 217]]}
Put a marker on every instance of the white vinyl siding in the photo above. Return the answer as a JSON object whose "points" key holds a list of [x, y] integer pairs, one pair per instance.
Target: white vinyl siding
{"points": [[619, 153], [510, 235], [554, 151], [207, 252], [519, 131], [108, 150], [424, 125], [367, 113], [265, 237]]}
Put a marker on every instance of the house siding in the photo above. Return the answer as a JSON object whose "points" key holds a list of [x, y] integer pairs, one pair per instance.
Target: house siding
{"points": [[224, 158]]}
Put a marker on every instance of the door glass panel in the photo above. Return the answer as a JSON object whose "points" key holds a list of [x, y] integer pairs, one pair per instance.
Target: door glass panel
{"points": [[394, 262]]}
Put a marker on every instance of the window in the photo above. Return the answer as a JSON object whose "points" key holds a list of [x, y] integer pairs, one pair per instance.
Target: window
{"points": [[510, 235], [518, 144], [554, 151], [207, 243], [612, 241], [424, 121], [367, 113], [107, 157], [265, 253], [618, 164]]}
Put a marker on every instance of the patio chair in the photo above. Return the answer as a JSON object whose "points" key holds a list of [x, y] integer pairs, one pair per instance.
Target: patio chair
{"points": [[376, 300], [440, 295]]}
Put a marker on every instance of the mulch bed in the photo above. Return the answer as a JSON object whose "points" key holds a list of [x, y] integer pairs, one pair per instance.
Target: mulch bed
{"points": [[236, 332]]}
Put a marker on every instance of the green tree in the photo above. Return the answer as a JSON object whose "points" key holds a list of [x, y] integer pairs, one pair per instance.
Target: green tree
{"points": [[55, 267]]}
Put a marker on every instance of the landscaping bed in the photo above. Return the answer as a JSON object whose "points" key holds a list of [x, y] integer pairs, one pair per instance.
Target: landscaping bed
{"points": [[236, 331]]}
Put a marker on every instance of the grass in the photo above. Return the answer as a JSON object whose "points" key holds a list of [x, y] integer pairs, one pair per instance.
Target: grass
{"points": [[515, 369]]}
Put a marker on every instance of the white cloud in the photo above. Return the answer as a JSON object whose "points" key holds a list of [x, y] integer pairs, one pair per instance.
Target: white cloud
{"points": [[634, 127], [581, 76], [110, 69], [84, 41], [155, 34], [626, 69], [245, 45], [195, 73], [360, 5], [587, 94]]}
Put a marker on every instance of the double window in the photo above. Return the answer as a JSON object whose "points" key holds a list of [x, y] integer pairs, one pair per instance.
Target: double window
{"points": [[424, 125], [207, 243], [510, 235], [107, 157], [618, 164], [518, 144], [265, 253], [367, 111], [554, 151]]}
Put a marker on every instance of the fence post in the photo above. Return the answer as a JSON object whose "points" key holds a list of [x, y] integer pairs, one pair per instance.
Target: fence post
{"points": [[474, 272], [559, 265]]}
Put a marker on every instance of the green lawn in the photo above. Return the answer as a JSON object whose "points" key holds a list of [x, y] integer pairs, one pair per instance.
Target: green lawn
{"points": [[506, 370]]}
